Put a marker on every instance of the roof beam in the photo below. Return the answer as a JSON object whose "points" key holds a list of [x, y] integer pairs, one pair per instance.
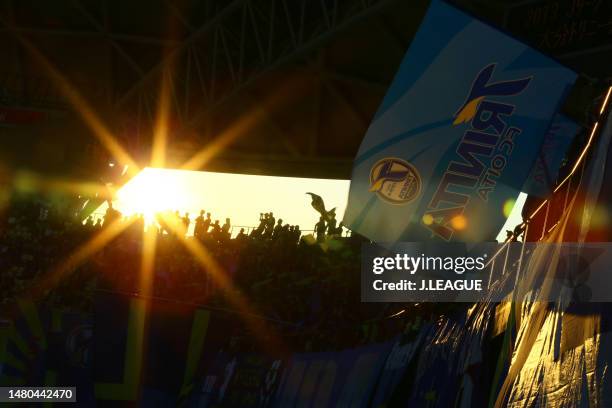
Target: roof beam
{"points": [[131, 62], [209, 25]]}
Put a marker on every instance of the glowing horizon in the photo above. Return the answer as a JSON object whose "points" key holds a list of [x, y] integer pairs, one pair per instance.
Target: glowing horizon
{"points": [[240, 197]]}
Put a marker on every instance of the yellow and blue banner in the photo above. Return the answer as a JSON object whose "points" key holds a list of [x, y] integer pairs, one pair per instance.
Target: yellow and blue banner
{"points": [[456, 135], [147, 350]]}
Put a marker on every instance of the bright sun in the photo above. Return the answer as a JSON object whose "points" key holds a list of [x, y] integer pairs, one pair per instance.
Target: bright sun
{"points": [[150, 192], [241, 197]]}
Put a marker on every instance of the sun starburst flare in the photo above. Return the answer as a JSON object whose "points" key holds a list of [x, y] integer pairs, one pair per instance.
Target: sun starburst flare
{"points": [[147, 262], [49, 280], [263, 331], [79, 103], [243, 124], [31, 183]]}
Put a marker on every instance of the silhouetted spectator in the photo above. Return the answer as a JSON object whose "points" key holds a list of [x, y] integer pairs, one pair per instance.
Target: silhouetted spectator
{"points": [[206, 224], [186, 221], [277, 229], [296, 234], [320, 228], [226, 228], [241, 237], [111, 214], [263, 221], [331, 224], [339, 229], [269, 227], [216, 231], [198, 229]]}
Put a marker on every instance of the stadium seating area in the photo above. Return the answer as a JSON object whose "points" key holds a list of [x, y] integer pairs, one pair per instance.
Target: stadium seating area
{"points": [[307, 287]]}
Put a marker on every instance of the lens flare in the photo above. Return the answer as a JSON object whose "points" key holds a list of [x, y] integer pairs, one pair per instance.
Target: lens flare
{"points": [[248, 312], [508, 206], [459, 222], [153, 191], [600, 217], [242, 125], [77, 258], [79, 103]]}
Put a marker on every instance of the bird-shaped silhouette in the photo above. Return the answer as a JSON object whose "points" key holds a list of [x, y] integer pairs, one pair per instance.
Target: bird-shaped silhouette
{"points": [[319, 205]]}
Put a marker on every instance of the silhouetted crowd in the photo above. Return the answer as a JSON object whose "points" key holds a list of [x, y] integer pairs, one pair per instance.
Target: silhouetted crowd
{"points": [[206, 230], [308, 284]]}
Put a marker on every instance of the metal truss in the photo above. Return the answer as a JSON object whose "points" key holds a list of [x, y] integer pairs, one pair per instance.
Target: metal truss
{"points": [[236, 45], [223, 49]]}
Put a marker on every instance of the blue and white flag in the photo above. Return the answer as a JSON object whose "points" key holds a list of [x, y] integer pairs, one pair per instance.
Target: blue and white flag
{"points": [[456, 135], [557, 141]]}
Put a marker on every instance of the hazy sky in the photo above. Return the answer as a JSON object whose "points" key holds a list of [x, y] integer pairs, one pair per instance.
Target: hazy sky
{"points": [[237, 196], [241, 197]]}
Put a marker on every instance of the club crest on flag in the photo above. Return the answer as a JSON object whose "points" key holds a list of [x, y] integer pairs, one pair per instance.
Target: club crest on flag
{"points": [[395, 180], [456, 135]]}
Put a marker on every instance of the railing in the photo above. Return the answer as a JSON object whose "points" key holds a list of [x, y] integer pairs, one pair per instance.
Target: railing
{"points": [[545, 218], [234, 229]]}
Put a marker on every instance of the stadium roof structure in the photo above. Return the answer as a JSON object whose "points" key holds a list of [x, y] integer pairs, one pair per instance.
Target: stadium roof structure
{"points": [[288, 86]]}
